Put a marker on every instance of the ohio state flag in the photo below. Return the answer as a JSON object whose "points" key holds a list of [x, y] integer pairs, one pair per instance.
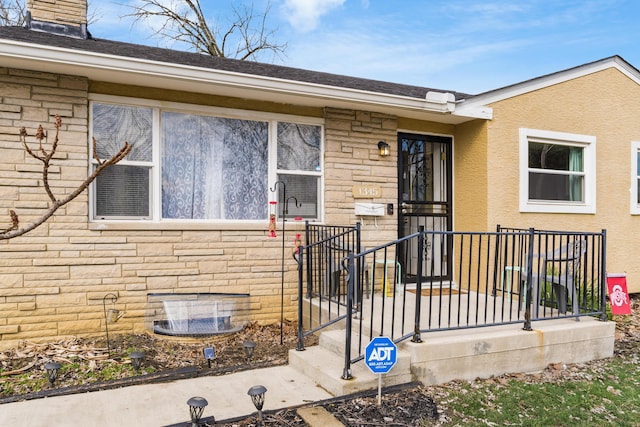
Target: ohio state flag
{"points": [[618, 296]]}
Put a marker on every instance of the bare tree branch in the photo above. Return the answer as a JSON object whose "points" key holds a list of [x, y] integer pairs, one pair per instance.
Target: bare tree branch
{"points": [[246, 37], [41, 154], [12, 12]]}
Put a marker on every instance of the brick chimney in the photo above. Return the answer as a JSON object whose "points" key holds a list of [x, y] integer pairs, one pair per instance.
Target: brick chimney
{"points": [[64, 17]]}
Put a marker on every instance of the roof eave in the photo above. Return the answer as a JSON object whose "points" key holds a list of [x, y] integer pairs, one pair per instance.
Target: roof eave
{"points": [[125, 70], [482, 101]]}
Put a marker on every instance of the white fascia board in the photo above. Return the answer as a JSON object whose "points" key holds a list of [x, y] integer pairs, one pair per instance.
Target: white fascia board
{"points": [[475, 110], [92, 63]]}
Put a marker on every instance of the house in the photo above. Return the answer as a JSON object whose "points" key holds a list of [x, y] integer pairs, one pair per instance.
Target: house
{"points": [[216, 140]]}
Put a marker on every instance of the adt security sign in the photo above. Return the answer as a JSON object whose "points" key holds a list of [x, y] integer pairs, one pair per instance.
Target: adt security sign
{"points": [[380, 355]]}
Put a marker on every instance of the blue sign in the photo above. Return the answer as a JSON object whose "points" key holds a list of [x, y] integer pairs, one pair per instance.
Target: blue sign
{"points": [[380, 355]]}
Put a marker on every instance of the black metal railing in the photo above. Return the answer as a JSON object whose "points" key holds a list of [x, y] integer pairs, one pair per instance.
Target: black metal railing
{"points": [[494, 278], [322, 276]]}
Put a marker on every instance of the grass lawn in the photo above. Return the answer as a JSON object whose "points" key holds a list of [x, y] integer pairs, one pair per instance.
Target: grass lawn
{"points": [[604, 392]]}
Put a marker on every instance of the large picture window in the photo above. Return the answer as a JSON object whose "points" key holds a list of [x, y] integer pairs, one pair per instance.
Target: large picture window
{"points": [[205, 167], [557, 172], [213, 168]]}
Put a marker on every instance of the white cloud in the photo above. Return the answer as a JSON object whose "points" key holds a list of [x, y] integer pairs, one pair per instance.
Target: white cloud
{"points": [[304, 15]]}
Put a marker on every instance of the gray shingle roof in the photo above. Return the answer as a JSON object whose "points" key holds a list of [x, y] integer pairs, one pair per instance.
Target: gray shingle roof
{"points": [[136, 51]]}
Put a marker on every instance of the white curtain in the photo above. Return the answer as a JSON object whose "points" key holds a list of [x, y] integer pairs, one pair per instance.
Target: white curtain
{"points": [[213, 168]]}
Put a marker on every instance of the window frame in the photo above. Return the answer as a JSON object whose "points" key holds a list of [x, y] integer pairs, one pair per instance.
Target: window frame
{"points": [[634, 202], [155, 220], [588, 145]]}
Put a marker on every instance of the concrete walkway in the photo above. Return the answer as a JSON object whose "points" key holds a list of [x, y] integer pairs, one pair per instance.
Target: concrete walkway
{"points": [[166, 403]]}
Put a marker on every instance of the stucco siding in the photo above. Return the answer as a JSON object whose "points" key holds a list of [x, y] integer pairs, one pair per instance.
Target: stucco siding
{"points": [[604, 105], [470, 177]]}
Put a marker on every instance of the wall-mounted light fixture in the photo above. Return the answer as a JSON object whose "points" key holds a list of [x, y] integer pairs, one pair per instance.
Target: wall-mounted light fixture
{"points": [[383, 149]]}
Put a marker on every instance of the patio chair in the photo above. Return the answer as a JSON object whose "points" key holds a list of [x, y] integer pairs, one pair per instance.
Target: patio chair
{"points": [[561, 269], [506, 279]]}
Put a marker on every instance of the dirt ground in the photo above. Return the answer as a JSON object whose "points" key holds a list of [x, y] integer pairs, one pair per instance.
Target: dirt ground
{"points": [[88, 360]]}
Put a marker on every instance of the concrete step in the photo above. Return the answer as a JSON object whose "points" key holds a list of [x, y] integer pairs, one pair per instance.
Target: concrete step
{"points": [[324, 364], [334, 340]]}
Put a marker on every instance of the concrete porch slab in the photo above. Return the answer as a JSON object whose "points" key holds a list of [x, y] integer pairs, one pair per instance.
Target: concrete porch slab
{"points": [[491, 351], [462, 354]]}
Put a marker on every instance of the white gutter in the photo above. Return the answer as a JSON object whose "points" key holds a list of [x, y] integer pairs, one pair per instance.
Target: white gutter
{"points": [[95, 64]]}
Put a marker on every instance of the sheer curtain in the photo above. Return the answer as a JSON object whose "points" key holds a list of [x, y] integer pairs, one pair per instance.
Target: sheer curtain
{"points": [[213, 168], [575, 181]]}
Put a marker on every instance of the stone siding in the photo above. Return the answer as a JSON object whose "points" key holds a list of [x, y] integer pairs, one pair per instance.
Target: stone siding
{"points": [[53, 280], [68, 12], [351, 158]]}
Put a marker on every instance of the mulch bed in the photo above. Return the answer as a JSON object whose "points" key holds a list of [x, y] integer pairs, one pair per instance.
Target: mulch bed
{"points": [[88, 363]]}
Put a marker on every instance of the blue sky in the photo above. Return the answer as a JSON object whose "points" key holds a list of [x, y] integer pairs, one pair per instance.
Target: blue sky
{"points": [[458, 45]]}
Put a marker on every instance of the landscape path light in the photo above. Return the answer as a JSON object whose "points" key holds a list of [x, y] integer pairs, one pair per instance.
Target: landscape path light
{"points": [[52, 369], [249, 347], [209, 354], [136, 360], [196, 409], [257, 397]]}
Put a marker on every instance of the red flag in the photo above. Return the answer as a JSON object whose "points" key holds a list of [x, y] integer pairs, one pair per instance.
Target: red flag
{"points": [[618, 295]]}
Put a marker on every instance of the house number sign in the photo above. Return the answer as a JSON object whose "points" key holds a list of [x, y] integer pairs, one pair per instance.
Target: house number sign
{"points": [[366, 191]]}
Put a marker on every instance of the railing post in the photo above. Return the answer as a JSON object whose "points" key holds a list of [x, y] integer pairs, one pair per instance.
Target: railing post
{"points": [[528, 302], [416, 327], [603, 277], [358, 271], [299, 258], [308, 241], [496, 260], [346, 373]]}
